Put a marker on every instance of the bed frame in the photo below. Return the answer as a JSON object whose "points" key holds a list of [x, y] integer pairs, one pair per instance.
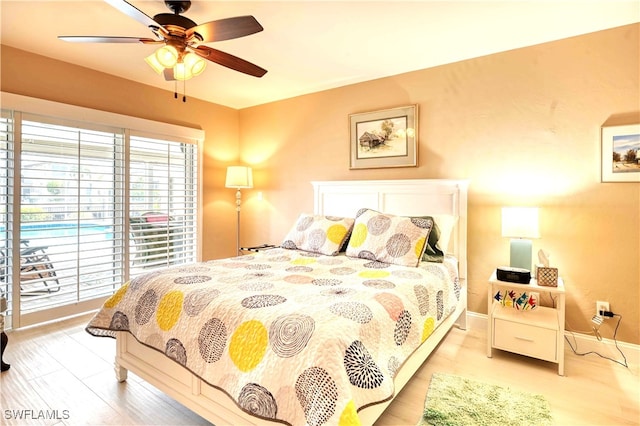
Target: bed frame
{"points": [[339, 198]]}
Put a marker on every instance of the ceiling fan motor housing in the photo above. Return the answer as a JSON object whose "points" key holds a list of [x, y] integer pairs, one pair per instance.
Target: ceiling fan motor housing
{"points": [[166, 19], [178, 6], [174, 19]]}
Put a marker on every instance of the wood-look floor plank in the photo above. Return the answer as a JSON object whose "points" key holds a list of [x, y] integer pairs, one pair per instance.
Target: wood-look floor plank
{"points": [[127, 398], [594, 391], [73, 401], [30, 357], [44, 375], [19, 399], [76, 358]]}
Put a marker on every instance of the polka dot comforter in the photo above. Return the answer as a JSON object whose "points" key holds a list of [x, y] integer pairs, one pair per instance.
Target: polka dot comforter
{"points": [[289, 335]]}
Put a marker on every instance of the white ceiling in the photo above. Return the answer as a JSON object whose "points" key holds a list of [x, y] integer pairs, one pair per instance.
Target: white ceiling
{"points": [[309, 46]]}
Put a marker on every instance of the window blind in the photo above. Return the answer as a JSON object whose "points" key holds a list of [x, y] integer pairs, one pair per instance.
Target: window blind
{"points": [[71, 212], [6, 194], [163, 202], [69, 231]]}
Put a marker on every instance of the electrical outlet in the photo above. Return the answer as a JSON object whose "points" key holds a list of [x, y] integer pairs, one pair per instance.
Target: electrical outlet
{"points": [[602, 306]]}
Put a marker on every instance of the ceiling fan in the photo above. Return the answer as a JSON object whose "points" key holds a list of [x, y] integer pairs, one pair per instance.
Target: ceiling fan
{"points": [[181, 55]]}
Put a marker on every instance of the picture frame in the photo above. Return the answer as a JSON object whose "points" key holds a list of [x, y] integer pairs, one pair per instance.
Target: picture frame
{"points": [[619, 143], [384, 138]]}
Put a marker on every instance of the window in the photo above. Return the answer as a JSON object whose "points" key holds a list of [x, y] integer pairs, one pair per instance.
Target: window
{"points": [[71, 186], [162, 202], [6, 168], [97, 206]]}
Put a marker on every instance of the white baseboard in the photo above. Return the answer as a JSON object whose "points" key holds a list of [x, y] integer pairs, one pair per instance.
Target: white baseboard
{"points": [[582, 343]]}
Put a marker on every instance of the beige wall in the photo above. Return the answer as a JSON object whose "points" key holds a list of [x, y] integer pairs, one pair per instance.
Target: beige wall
{"points": [[523, 126], [32, 75]]}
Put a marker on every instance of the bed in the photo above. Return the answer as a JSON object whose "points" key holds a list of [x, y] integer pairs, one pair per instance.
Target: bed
{"points": [[322, 337]]}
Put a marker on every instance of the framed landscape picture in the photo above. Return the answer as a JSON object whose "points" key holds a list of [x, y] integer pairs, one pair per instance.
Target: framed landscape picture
{"points": [[621, 153], [385, 138]]}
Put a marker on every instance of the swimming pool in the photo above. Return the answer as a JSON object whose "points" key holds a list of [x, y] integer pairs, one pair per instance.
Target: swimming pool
{"points": [[47, 230]]}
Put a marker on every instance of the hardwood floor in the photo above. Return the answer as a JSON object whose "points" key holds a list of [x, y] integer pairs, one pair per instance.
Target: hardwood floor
{"points": [[60, 375]]}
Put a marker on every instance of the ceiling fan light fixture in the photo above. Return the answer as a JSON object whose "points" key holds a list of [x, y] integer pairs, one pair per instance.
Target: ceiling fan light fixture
{"points": [[153, 62], [180, 72], [181, 56], [194, 64], [167, 56]]}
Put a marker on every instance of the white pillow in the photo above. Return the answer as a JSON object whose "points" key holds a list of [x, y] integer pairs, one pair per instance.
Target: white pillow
{"points": [[446, 223]]}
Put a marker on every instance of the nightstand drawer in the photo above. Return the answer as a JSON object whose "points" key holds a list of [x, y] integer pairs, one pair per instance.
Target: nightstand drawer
{"points": [[525, 339]]}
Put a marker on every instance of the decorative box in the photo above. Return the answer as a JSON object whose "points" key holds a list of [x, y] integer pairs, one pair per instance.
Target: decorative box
{"points": [[547, 277]]}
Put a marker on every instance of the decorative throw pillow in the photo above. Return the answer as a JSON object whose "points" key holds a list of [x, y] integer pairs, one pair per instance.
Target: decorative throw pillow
{"points": [[318, 234], [438, 243], [432, 250], [388, 238]]}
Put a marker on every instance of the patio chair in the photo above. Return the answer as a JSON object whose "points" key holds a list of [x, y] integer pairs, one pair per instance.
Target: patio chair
{"points": [[37, 274], [155, 217], [150, 237], [4, 285]]}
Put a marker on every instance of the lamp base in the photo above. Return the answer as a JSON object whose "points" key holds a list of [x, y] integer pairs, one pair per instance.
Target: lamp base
{"points": [[520, 253]]}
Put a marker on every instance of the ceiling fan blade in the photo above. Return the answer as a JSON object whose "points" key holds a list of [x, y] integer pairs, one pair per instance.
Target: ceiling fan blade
{"points": [[108, 39], [226, 29], [229, 61], [168, 74], [137, 14]]}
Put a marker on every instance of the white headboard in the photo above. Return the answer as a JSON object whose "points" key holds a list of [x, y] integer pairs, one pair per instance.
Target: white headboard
{"points": [[410, 197]]}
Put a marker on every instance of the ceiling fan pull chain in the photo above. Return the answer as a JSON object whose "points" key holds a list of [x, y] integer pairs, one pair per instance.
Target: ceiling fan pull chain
{"points": [[184, 90], [175, 89]]}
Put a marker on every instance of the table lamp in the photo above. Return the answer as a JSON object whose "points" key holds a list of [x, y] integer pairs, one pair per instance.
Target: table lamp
{"points": [[520, 224]]}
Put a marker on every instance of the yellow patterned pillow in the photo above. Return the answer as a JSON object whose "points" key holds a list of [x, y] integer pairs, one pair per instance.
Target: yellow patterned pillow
{"points": [[318, 234], [388, 238]]}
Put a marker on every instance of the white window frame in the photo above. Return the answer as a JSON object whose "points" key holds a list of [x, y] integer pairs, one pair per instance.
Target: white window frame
{"points": [[10, 101]]}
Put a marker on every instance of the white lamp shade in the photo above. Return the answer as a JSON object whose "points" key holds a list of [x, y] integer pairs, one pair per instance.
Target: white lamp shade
{"points": [[194, 64], [180, 72], [153, 62], [520, 222], [167, 56], [239, 177], [190, 66]]}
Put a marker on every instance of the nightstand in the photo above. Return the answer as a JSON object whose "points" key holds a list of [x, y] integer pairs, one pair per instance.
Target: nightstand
{"points": [[538, 333], [256, 249]]}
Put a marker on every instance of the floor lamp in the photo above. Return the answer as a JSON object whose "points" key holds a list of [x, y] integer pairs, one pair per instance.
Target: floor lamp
{"points": [[239, 177], [520, 224]]}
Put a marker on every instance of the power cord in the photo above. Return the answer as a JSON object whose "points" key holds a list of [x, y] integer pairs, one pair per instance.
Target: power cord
{"points": [[599, 337], [572, 330]]}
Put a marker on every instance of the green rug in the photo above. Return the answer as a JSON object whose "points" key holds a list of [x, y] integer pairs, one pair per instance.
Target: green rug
{"points": [[453, 400]]}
